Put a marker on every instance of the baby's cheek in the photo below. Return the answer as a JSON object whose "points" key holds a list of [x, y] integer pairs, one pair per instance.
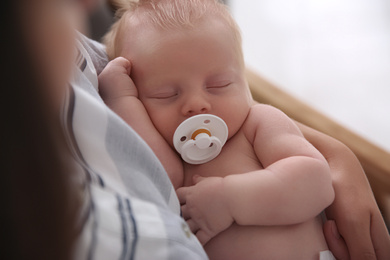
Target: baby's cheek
{"points": [[163, 124], [168, 133], [164, 118]]}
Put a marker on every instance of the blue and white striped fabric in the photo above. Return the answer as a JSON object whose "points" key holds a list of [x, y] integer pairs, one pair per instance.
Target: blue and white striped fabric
{"points": [[130, 209]]}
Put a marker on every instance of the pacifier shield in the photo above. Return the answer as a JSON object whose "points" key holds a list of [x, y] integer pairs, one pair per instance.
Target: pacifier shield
{"points": [[200, 138]]}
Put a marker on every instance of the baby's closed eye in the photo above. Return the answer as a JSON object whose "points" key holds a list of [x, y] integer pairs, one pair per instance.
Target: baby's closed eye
{"points": [[218, 86], [160, 92], [165, 95]]}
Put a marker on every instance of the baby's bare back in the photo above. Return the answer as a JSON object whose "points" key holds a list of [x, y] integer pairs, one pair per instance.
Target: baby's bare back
{"points": [[300, 241]]}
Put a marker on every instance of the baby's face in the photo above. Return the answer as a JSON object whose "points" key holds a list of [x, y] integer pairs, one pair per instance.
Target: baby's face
{"points": [[182, 73]]}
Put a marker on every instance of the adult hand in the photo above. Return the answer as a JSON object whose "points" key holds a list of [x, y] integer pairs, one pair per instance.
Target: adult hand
{"points": [[356, 229], [205, 208]]}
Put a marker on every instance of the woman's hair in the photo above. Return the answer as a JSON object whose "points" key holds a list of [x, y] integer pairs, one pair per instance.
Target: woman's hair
{"points": [[166, 14], [35, 221]]}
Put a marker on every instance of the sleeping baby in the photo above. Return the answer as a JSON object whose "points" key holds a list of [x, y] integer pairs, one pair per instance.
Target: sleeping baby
{"points": [[249, 184]]}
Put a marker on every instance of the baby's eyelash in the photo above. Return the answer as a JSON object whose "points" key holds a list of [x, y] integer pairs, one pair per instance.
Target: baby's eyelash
{"points": [[163, 96], [218, 85]]}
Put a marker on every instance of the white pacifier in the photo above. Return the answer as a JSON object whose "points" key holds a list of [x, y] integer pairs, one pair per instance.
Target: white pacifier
{"points": [[200, 138]]}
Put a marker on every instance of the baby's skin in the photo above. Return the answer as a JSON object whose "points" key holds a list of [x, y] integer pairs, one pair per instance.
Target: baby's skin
{"points": [[261, 197]]}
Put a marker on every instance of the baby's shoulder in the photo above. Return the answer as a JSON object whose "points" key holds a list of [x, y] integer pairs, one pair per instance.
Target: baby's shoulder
{"points": [[265, 117], [264, 113]]}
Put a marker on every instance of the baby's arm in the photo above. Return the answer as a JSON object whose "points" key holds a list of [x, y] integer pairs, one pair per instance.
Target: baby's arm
{"points": [[294, 186], [120, 94]]}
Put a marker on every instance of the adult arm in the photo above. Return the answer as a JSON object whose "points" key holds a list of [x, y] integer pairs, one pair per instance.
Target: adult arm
{"points": [[361, 232]]}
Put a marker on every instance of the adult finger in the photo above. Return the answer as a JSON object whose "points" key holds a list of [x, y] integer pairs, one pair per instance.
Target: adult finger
{"points": [[358, 238], [334, 240], [380, 238]]}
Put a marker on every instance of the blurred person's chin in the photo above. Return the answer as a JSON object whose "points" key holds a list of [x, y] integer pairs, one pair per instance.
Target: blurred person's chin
{"points": [[90, 5]]}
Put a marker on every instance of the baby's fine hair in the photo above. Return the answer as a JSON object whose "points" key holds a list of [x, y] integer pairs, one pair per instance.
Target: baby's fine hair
{"points": [[167, 14]]}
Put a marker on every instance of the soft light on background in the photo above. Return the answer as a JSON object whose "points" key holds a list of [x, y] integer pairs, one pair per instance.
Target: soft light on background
{"points": [[332, 54]]}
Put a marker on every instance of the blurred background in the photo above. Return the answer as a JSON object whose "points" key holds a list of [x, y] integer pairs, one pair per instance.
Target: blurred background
{"points": [[332, 54]]}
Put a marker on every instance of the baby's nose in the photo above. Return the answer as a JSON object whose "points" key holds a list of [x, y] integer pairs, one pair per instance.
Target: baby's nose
{"points": [[195, 106]]}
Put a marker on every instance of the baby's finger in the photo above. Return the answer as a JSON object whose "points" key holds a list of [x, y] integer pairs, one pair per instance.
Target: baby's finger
{"points": [[184, 212], [193, 226], [122, 62], [203, 237], [197, 179], [182, 194]]}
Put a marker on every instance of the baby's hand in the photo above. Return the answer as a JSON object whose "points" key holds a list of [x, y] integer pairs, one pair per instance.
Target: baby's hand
{"points": [[115, 81], [205, 208]]}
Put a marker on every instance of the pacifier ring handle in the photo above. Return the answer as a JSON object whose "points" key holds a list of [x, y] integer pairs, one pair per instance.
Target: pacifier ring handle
{"points": [[203, 141], [200, 131]]}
